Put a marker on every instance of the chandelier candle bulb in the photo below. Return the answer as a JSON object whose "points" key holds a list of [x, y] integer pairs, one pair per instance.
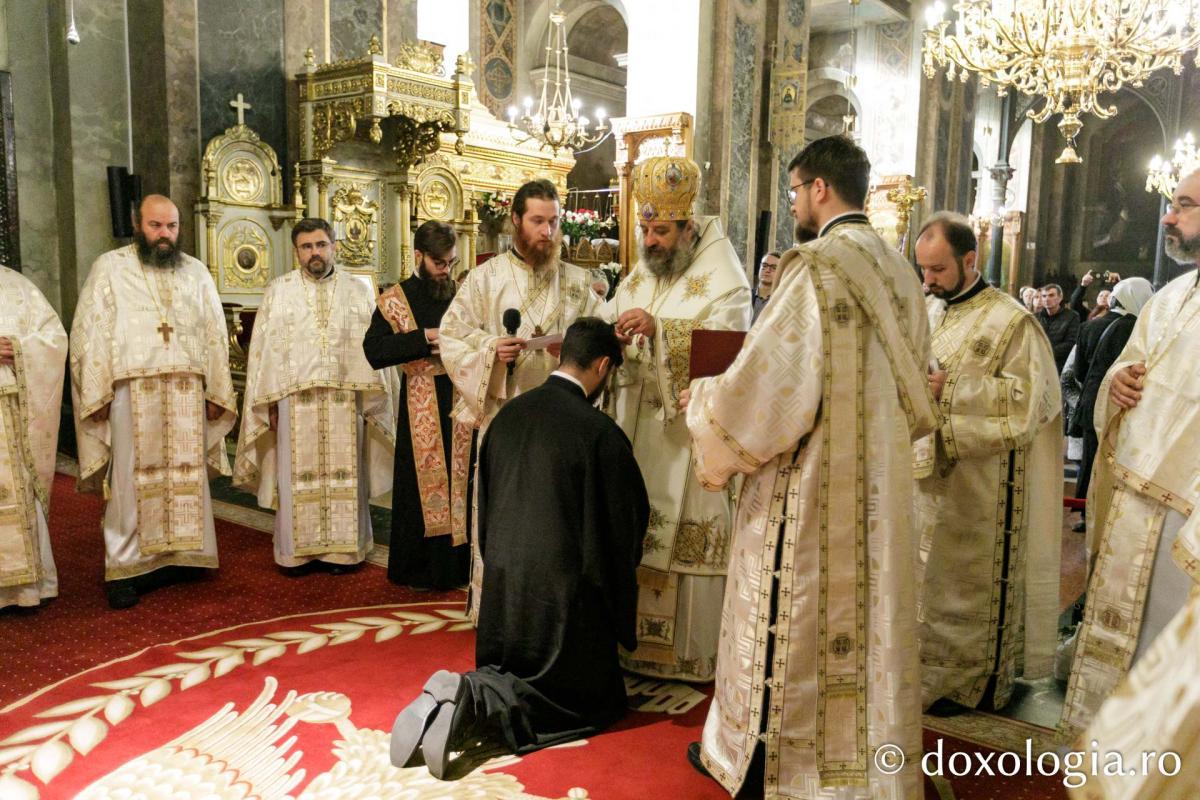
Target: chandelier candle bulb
{"points": [[1066, 52]]}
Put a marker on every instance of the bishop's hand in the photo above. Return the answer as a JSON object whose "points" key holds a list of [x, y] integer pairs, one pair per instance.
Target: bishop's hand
{"points": [[636, 321], [273, 416], [685, 397], [101, 413], [8, 355], [212, 411]]}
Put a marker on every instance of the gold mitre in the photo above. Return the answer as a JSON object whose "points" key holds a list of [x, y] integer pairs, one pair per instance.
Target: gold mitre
{"points": [[665, 187]]}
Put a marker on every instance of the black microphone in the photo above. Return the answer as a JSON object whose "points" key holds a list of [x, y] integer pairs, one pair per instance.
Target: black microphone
{"points": [[512, 321]]}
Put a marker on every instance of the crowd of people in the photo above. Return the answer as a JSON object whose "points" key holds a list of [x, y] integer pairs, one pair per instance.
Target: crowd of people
{"points": [[856, 521]]}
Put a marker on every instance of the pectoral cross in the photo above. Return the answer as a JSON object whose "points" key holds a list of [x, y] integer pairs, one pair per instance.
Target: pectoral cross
{"points": [[165, 331], [242, 107]]}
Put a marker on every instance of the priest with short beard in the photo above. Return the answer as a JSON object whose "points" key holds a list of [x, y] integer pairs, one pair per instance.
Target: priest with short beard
{"points": [[489, 365], [153, 401], [688, 277], [317, 435], [432, 469]]}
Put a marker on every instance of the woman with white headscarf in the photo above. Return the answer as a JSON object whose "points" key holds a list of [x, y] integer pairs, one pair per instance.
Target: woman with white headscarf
{"points": [[1126, 303]]}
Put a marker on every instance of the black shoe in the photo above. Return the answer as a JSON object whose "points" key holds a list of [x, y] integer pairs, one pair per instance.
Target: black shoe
{"points": [[1079, 527], [298, 571], [451, 728], [693, 756], [121, 594], [340, 569]]}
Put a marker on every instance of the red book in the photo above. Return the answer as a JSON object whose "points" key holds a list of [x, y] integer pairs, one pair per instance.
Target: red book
{"points": [[713, 352]]}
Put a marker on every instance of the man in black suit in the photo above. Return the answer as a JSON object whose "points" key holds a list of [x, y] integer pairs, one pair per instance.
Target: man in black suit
{"points": [[562, 514]]}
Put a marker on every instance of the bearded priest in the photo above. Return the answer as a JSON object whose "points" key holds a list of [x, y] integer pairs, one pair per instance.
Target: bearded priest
{"points": [[1146, 477], [529, 288], [989, 507], [688, 277], [153, 400], [318, 431]]}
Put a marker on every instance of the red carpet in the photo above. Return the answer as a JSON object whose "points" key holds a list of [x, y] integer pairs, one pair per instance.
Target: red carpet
{"points": [[76, 630], [247, 684]]}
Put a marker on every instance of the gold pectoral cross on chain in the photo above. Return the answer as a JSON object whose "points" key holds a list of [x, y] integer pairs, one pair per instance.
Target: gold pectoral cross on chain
{"points": [[165, 331]]}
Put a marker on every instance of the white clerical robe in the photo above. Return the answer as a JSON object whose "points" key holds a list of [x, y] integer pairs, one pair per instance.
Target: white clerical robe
{"points": [[1152, 719], [153, 343], [336, 435], [686, 550], [30, 403], [1145, 484], [989, 504], [818, 651], [549, 301]]}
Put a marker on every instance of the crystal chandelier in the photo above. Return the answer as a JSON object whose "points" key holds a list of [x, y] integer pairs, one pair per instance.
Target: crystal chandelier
{"points": [[1164, 174], [557, 123], [1065, 51]]}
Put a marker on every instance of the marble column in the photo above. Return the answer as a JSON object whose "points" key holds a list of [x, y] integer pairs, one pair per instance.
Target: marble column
{"points": [[728, 125], [304, 26], [166, 136], [944, 142], [352, 23], [27, 57], [97, 77], [401, 25]]}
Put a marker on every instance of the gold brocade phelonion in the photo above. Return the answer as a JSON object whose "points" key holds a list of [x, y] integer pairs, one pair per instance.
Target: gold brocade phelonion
{"points": [[164, 329], [534, 291], [321, 311]]}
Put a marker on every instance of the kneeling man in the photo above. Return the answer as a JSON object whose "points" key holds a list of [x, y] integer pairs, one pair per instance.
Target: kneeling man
{"points": [[562, 514]]}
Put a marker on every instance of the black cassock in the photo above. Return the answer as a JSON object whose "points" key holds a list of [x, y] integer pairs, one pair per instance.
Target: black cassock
{"points": [[562, 514], [414, 560]]}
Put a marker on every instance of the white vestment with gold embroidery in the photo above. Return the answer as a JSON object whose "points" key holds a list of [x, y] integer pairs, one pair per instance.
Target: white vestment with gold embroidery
{"points": [[549, 301], [30, 403], [682, 575], [1153, 717], [153, 342], [336, 434], [1145, 485], [989, 511], [818, 652]]}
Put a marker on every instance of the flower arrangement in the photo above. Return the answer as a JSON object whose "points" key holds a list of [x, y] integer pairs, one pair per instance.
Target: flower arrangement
{"points": [[493, 210], [587, 224]]}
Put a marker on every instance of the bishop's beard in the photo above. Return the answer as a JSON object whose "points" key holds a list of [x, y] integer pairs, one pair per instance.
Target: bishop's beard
{"points": [[439, 288], [154, 254], [668, 263]]}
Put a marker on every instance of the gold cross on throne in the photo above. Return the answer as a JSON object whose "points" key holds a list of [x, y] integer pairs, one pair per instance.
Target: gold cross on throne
{"points": [[165, 331]]}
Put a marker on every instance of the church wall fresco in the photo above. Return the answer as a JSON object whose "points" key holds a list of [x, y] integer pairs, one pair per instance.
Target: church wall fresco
{"points": [[496, 81], [241, 50], [352, 23]]}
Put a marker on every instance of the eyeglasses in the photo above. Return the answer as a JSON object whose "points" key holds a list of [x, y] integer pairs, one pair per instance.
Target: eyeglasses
{"points": [[1181, 207], [441, 263], [792, 191]]}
